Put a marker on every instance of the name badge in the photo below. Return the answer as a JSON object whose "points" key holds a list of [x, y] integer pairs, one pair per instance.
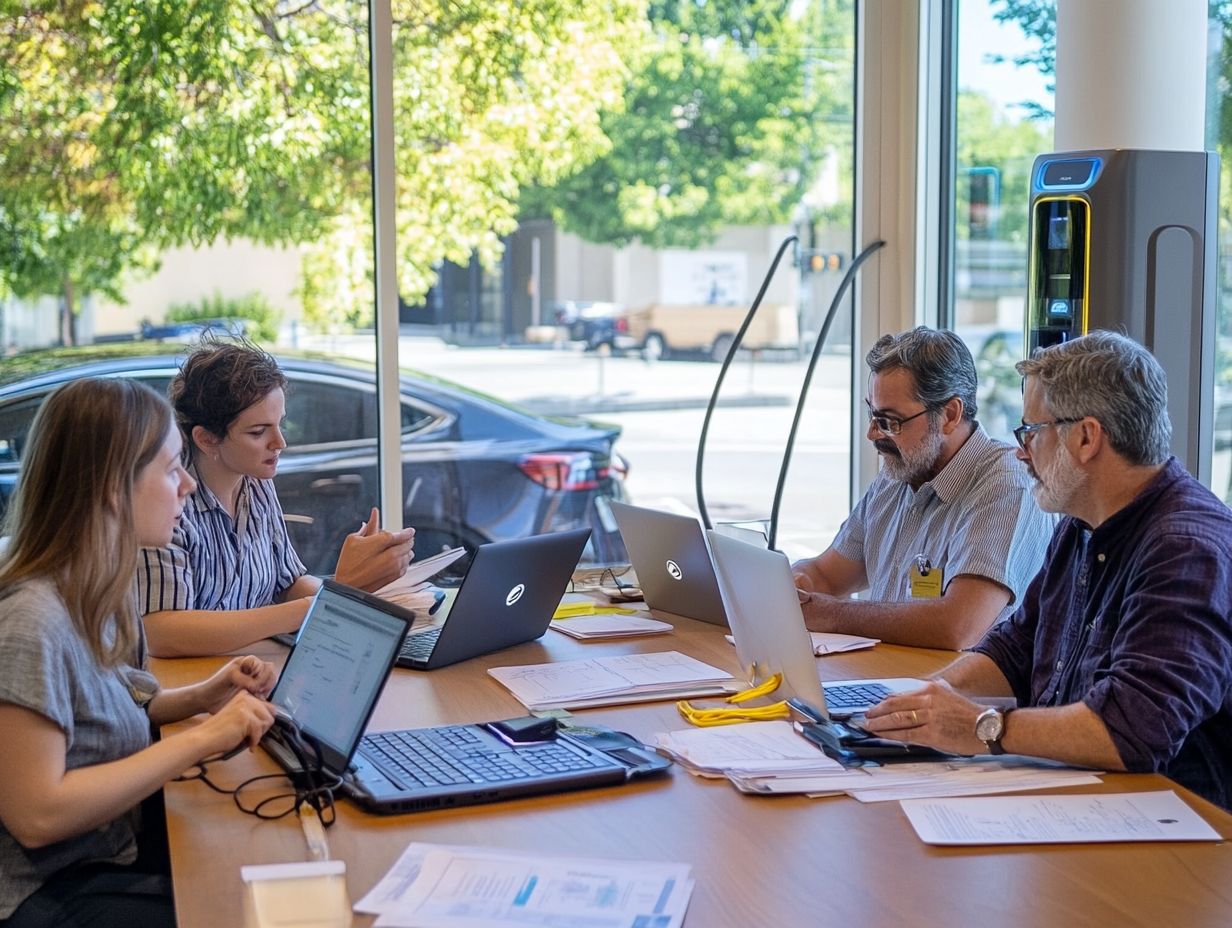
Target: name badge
{"points": [[926, 580]]}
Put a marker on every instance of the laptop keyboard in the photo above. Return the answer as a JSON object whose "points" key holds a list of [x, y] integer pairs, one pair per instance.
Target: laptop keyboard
{"points": [[419, 646], [459, 754], [855, 695]]}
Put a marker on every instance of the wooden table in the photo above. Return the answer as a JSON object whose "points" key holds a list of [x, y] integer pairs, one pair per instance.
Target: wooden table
{"points": [[758, 862]]}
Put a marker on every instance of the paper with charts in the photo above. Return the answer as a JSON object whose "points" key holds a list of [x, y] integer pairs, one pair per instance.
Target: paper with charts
{"points": [[608, 681], [438, 886], [1082, 819]]}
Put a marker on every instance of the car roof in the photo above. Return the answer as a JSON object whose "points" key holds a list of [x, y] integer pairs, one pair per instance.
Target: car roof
{"points": [[40, 370]]}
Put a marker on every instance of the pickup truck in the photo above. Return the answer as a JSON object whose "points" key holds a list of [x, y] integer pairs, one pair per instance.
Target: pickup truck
{"points": [[660, 330]]}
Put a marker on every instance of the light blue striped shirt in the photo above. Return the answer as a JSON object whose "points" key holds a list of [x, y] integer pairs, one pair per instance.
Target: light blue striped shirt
{"points": [[977, 517], [215, 563]]}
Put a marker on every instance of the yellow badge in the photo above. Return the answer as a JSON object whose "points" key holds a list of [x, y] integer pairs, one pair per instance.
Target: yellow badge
{"points": [[926, 580]]}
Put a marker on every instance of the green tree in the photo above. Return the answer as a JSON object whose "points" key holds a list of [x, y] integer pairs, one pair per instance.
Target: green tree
{"points": [[127, 127], [727, 114], [989, 140]]}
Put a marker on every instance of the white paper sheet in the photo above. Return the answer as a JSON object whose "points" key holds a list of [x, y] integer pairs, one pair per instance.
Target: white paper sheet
{"points": [[419, 571], [433, 886], [1155, 816], [589, 627], [833, 643]]}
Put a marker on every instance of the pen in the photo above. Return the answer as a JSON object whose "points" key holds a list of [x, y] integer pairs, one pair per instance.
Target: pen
{"points": [[438, 597]]}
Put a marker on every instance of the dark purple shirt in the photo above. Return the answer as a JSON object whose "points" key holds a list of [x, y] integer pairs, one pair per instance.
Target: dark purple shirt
{"points": [[1135, 620]]}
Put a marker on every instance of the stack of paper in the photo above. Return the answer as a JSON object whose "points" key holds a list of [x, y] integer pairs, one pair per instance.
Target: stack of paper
{"points": [[609, 625], [755, 749], [964, 776], [771, 758], [608, 681], [434, 886]]}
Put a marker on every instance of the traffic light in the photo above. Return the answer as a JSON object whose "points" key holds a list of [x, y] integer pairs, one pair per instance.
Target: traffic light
{"points": [[825, 261]]}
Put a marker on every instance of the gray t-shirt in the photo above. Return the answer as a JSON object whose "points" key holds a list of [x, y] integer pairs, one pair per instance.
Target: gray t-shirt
{"points": [[977, 517], [46, 667]]}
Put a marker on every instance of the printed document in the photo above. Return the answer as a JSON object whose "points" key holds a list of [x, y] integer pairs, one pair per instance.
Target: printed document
{"points": [[606, 681], [1155, 816], [434, 886], [418, 572]]}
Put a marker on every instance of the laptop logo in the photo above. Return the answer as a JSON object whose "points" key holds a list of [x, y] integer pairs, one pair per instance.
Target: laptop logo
{"points": [[515, 594], [674, 571]]}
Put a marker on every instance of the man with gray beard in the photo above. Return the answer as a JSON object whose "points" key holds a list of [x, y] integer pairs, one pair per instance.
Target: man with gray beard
{"points": [[948, 536], [1121, 652]]}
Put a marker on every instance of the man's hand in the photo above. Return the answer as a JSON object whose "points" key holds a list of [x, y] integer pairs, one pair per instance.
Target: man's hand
{"points": [[934, 716], [816, 615], [372, 557]]}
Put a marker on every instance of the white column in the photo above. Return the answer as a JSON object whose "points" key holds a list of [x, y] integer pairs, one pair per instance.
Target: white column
{"points": [[891, 195], [1131, 74]]}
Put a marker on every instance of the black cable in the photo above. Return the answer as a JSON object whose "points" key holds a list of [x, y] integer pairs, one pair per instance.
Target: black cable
{"points": [[808, 378], [718, 382]]}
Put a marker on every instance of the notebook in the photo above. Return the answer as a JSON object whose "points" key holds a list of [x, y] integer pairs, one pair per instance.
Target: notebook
{"points": [[507, 597], [770, 635], [673, 565], [332, 680]]}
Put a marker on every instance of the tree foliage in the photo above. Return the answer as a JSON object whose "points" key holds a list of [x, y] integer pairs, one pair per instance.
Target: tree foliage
{"points": [[727, 114], [128, 126]]}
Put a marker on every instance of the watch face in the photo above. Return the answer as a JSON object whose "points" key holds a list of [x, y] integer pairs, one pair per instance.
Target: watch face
{"points": [[989, 725]]}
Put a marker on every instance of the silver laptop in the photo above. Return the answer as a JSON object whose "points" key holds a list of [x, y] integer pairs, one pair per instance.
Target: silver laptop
{"points": [[768, 627], [507, 597], [331, 682], [672, 562]]}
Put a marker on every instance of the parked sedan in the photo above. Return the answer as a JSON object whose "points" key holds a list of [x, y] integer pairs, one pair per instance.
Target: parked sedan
{"points": [[474, 469]]}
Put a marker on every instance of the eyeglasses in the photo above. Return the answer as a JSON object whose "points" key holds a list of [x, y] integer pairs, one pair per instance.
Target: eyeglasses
{"points": [[891, 425], [1027, 429]]}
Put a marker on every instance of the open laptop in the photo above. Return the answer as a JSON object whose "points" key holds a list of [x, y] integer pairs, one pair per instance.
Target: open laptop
{"points": [[330, 685], [768, 627], [672, 562], [507, 597]]}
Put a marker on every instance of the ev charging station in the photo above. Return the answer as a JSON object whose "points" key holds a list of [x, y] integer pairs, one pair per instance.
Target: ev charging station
{"points": [[1125, 240]]}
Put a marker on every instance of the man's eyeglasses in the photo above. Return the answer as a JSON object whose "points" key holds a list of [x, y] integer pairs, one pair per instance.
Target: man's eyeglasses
{"points": [[891, 425], [1023, 433]]}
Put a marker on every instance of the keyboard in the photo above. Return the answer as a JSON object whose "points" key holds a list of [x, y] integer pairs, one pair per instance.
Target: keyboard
{"points": [[419, 646], [855, 695], [459, 754]]}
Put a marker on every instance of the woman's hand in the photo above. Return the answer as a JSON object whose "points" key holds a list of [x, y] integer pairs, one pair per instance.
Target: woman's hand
{"points": [[372, 557], [248, 674], [241, 721]]}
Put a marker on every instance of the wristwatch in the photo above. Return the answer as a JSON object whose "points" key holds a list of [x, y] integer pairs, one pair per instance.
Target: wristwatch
{"points": [[990, 728]]}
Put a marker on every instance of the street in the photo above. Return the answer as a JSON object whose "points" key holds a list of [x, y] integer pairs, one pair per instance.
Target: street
{"points": [[660, 408]]}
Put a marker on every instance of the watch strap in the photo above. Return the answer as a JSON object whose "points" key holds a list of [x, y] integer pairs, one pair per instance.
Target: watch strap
{"points": [[994, 746]]}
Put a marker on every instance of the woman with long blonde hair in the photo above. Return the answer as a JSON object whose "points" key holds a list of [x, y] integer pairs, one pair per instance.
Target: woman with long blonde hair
{"points": [[101, 478]]}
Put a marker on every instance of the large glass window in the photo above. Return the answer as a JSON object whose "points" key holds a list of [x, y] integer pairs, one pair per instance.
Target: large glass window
{"points": [[588, 195], [1219, 139], [1003, 120]]}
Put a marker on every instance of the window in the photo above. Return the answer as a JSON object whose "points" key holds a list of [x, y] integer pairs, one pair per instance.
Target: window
{"points": [[1003, 120]]}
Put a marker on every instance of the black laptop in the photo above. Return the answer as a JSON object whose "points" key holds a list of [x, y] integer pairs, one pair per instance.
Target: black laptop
{"points": [[507, 597], [330, 685]]}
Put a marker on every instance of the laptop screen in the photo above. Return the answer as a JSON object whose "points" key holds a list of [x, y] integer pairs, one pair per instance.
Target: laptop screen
{"points": [[337, 669]]}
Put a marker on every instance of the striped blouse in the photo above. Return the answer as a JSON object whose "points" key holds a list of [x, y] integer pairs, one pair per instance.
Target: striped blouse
{"points": [[215, 563]]}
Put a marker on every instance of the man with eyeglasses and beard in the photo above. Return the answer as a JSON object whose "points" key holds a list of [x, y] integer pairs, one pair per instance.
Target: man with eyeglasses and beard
{"points": [[1121, 652], [947, 537]]}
